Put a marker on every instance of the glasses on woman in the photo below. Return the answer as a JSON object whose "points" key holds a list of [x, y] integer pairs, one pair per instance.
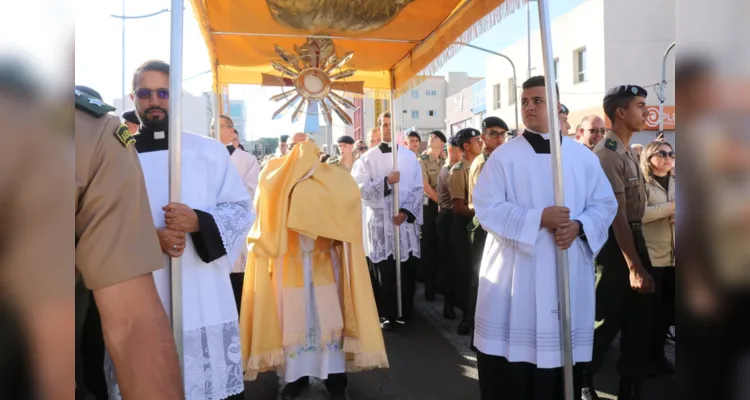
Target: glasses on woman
{"points": [[145, 94], [665, 154]]}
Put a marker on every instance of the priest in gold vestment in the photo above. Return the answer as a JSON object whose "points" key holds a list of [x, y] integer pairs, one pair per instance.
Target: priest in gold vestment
{"points": [[307, 306]]}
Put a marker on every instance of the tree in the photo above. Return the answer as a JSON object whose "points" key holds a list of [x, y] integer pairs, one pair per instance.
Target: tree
{"points": [[270, 144]]}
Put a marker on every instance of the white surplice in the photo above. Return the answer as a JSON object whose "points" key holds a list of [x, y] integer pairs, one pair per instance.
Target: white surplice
{"points": [[370, 173], [211, 343], [517, 304], [249, 169]]}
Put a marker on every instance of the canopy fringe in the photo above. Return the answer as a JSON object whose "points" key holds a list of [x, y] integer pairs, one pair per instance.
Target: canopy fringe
{"points": [[479, 28]]}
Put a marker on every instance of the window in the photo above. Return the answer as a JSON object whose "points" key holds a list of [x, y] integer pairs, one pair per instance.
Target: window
{"points": [[414, 114], [557, 70], [512, 90], [431, 113], [431, 92], [580, 60], [405, 111], [496, 96], [414, 94]]}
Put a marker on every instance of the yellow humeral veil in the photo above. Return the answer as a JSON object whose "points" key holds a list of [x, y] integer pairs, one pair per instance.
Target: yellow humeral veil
{"points": [[299, 195]]}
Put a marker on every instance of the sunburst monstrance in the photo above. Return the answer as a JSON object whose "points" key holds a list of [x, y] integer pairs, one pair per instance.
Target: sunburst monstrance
{"points": [[313, 76]]}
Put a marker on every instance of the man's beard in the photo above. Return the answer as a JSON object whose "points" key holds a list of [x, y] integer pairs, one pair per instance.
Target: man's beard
{"points": [[155, 125]]}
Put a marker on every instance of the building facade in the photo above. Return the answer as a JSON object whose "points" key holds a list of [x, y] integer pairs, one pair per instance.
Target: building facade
{"points": [[458, 113], [597, 45]]}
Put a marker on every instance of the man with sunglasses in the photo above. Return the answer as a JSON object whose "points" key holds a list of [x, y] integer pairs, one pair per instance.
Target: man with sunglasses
{"points": [[623, 279], [564, 124], [590, 131], [207, 230]]}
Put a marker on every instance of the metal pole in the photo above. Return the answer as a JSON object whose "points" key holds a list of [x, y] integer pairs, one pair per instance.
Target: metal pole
{"points": [[528, 39], [217, 113], [396, 204], [662, 86], [512, 66], [329, 137], [175, 163], [123, 56], [563, 285]]}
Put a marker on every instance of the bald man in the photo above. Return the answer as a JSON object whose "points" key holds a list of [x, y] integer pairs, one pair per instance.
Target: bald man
{"points": [[590, 131], [298, 137]]}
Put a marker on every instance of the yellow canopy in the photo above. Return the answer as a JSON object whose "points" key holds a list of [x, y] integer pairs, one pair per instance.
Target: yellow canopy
{"points": [[240, 34]]}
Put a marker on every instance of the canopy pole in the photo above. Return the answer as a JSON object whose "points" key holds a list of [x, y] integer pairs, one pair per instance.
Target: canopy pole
{"points": [[329, 137], [175, 164], [396, 229], [512, 66], [217, 116], [662, 86], [563, 284]]}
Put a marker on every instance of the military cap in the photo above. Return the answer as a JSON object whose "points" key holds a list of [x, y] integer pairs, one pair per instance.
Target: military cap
{"points": [[129, 116], [494, 122], [453, 141], [345, 139], [624, 92], [439, 135], [88, 91], [564, 110], [465, 135], [414, 134]]}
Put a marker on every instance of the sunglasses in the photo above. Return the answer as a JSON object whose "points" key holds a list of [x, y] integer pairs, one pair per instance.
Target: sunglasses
{"points": [[362, 148], [665, 154], [497, 133], [598, 130], [145, 94]]}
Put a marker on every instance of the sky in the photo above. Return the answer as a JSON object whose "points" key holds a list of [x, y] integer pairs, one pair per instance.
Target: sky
{"points": [[98, 52]]}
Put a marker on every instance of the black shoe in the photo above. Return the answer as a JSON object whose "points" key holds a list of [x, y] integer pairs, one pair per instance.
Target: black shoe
{"points": [[464, 328], [630, 389], [293, 390], [448, 311], [388, 326], [588, 392]]}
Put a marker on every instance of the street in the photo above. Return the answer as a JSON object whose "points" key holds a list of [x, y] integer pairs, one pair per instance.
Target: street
{"points": [[429, 361]]}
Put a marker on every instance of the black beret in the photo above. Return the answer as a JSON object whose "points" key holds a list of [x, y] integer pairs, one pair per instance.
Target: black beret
{"points": [[414, 134], [129, 116], [564, 110], [89, 91], [439, 135], [494, 122], [283, 138], [624, 92], [453, 141], [465, 135], [345, 139]]}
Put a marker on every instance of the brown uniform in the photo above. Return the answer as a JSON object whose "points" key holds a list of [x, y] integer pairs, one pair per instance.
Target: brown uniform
{"points": [[458, 181], [429, 240], [430, 169], [476, 168], [336, 161], [459, 189], [444, 195], [618, 307]]}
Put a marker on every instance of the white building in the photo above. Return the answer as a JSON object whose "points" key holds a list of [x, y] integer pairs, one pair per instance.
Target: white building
{"points": [[422, 108], [597, 45], [196, 112]]}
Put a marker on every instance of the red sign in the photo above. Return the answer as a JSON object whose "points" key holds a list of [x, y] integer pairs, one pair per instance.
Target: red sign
{"points": [[652, 121]]}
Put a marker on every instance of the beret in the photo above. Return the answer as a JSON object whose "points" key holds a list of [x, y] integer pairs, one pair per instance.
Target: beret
{"points": [[465, 135], [414, 134], [439, 135], [453, 141], [624, 92], [129, 116], [564, 110], [494, 122], [345, 139]]}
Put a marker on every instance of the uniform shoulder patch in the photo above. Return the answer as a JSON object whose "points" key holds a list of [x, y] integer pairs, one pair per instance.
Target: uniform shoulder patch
{"points": [[123, 135], [424, 157], [611, 144], [91, 105], [332, 160], [458, 166]]}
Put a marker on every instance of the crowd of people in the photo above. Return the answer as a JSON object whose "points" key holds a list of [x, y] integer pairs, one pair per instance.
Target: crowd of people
{"points": [[290, 264]]}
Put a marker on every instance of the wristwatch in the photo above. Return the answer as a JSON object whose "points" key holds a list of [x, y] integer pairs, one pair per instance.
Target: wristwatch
{"points": [[581, 233]]}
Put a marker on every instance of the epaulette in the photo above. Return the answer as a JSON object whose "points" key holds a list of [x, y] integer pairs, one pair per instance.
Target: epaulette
{"points": [[458, 166], [424, 157], [91, 105], [332, 160], [611, 144], [123, 135]]}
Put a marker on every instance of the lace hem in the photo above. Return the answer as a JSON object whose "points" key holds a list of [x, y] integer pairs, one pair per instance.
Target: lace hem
{"points": [[212, 364], [233, 221]]}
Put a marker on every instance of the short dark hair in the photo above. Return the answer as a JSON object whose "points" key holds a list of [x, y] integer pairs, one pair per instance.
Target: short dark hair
{"points": [[151, 65], [226, 117], [538, 81], [283, 138], [383, 115], [610, 107], [236, 133]]}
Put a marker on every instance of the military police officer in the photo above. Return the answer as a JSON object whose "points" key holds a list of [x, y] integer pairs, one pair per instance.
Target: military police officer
{"points": [[471, 146], [431, 162], [346, 149], [116, 251], [443, 223], [623, 303]]}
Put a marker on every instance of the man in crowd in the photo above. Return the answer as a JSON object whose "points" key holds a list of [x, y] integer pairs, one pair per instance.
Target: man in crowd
{"points": [[447, 270], [207, 229], [131, 121], [590, 131], [374, 173], [517, 327], [413, 141], [431, 162], [345, 159], [623, 303], [564, 124]]}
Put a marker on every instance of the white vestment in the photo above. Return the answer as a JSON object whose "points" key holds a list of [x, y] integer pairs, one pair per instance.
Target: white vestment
{"points": [[517, 303], [249, 169], [211, 343], [370, 173]]}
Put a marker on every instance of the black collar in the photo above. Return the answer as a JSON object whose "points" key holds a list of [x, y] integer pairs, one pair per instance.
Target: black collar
{"points": [[231, 149], [384, 147], [538, 142], [147, 143]]}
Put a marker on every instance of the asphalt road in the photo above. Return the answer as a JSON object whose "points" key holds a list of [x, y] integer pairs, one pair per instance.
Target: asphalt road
{"points": [[429, 361]]}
